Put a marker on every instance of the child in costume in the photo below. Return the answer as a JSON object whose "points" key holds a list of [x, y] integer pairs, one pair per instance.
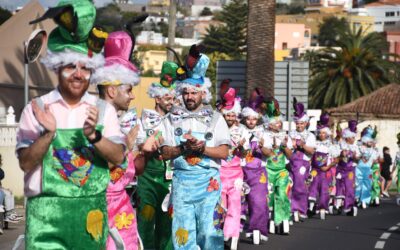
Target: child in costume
{"points": [[322, 161], [196, 140], [255, 174], [304, 147], [279, 149], [231, 170], [396, 166], [120, 75], [349, 153], [364, 168], [77, 135], [154, 185], [376, 175]]}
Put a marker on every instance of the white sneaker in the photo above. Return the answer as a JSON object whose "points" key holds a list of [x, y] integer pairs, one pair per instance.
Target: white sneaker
{"points": [[322, 214], [386, 194], [12, 219], [363, 205], [1, 231], [263, 237], [355, 210], [311, 207], [272, 227], [286, 227], [256, 237], [377, 201], [296, 216], [234, 243], [330, 209]]}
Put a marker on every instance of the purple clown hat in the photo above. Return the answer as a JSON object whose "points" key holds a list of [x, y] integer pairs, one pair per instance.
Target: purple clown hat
{"points": [[323, 123], [299, 114], [351, 131], [254, 104]]}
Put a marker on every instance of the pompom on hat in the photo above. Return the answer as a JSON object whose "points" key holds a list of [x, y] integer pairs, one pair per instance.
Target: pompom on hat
{"points": [[118, 69], [167, 81], [351, 130], [74, 39]]}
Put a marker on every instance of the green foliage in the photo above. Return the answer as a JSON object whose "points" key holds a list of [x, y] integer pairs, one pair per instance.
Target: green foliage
{"points": [[329, 29], [206, 12], [357, 67], [291, 9], [4, 15], [229, 38]]}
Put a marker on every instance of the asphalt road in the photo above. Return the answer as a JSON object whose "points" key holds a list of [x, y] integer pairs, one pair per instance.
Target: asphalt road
{"points": [[373, 228]]}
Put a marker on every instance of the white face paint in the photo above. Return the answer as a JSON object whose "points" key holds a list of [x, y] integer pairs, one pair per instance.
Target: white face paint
{"points": [[72, 69]]}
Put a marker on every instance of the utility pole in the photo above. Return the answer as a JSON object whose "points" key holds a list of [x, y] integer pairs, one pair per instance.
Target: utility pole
{"points": [[171, 28]]}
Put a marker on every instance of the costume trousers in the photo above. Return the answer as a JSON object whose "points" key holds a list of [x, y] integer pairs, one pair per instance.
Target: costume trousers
{"points": [[376, 179], [232, 179], [154, 224], [363, 182], [278, 197], [197, 211], [256, 178], [319, 188], [345, 188], [300, 172]]}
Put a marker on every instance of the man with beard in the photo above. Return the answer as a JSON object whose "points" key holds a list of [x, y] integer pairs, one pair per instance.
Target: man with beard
{"points": [[231, 170], [114, 82], [153, 185], [65, 139], [197, 138]]}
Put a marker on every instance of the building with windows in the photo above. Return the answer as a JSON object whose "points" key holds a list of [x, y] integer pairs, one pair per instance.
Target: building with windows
{"points": [[385, 12]]}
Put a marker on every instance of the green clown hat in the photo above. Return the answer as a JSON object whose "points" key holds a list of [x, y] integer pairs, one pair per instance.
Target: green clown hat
{"points": [[167, 81], [75, 39]]}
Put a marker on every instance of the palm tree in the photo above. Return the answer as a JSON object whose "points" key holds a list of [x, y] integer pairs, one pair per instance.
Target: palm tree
{"points": [[358, 66], [260, 46]]}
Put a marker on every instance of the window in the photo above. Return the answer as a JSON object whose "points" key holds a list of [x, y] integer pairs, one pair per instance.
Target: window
{"points": [[284, 45], [390, 13], [390, 23], [307, 34]]}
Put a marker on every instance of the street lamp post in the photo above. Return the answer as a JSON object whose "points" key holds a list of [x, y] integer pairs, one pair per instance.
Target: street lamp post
{"points": [[32, 49]]}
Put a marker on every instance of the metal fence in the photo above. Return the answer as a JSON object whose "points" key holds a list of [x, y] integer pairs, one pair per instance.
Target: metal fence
{"points": [[291, 79]]}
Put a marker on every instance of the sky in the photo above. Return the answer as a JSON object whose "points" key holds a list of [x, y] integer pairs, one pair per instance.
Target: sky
{"points": [[13, 4]]}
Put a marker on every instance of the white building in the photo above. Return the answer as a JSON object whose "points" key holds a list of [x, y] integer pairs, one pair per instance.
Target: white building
{"points": [[150, 37], [385, 12], [199, 5]]}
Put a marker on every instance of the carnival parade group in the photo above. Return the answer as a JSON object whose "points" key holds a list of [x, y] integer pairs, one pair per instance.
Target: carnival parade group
{"points": [[203, 175]]}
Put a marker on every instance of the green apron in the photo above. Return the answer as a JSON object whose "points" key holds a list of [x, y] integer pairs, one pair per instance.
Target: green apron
{"points": [[71, 211], [154, 225]]}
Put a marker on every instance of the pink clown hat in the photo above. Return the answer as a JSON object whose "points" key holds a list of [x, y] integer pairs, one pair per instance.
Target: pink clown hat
{"points": [[117, 69], [118, 48]]}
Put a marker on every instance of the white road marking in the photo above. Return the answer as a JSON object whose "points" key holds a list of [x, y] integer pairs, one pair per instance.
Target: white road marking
{"points": [[379, 245], [385, 236]]}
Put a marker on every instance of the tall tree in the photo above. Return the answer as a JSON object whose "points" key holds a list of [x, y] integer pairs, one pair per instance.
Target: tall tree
{"points": [[360, 66], [260, 46], [171, 28], [329, 29], [229, 38]]}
